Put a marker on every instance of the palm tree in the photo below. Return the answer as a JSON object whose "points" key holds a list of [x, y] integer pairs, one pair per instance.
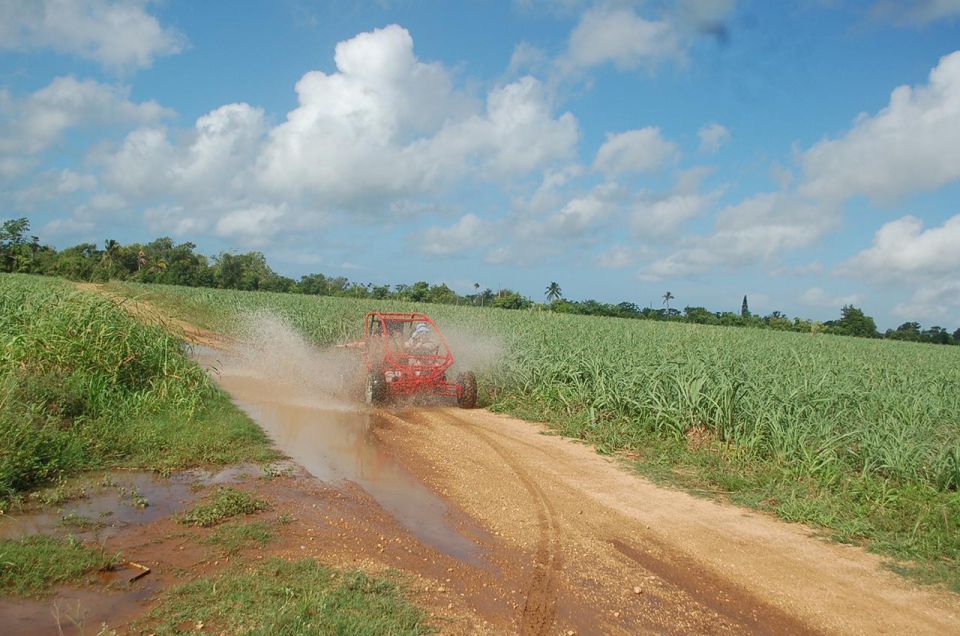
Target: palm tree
{"points": [[110, 253], [553, 292], [476, 293], [667, 298]]}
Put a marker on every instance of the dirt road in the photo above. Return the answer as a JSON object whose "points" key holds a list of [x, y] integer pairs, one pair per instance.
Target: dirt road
{"points": [[536, 534], [593, 534]]}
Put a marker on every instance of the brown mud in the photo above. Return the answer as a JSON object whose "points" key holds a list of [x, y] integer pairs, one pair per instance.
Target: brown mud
{"points": [[500, 528]]}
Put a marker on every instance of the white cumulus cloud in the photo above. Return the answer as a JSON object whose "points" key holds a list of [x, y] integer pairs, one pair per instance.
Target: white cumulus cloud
{"points": [[384, 132], [387, 125], [758, 229], [904, 250], [615, 33], [664, 216], [36, 121], [620, 36], [54, 184], [712, 137], [924, 261], [912, 145], [577, 219], [621, 256], [818, 297], [253, 225], [936, 301], [469, 232], [117, 33], [642, 150]]}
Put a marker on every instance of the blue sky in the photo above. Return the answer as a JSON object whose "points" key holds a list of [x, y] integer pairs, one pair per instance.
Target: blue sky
{"points": [[806, 154]]}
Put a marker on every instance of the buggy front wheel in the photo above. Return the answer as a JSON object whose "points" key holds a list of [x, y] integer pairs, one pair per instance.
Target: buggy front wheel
{"points": [[376, 390], [467, 390]]}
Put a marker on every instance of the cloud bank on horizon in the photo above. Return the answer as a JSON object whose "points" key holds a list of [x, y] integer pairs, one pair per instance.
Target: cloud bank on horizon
{"points": [[573, 160]]}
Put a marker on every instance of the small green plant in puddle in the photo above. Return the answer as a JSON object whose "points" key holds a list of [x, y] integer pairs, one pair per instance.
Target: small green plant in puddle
{"points": [[138, 500], [223, 504], [81, 522], [60, 493], [32, 565], [284, 597], [233, 537], [271, 471]]}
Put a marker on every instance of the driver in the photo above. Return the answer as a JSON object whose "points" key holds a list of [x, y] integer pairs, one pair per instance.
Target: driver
{"points": [[421, 340]]}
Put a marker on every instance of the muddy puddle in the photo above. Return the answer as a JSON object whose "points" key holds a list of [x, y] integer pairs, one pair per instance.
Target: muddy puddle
{"points": [[106, 505], [113, 501], [74, 610], [112, 597], [333, 439]]}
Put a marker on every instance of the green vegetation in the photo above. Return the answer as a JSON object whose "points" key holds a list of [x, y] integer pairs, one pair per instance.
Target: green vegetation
{"points": [[230, 538], [32, 565], [860, 436], [83, 385], [286, 598], [164, 262], [81, 522], [223, 504]]}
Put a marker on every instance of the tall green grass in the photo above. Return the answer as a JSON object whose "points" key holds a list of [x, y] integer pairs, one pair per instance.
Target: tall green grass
{"points": [[84, 385], [856, 435]]}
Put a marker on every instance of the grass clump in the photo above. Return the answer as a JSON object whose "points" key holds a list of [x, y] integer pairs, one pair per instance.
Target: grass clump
{"points": [[83, 385], [81, 522], [223, 504], [230, 538], [283, 598], [32, 565]]}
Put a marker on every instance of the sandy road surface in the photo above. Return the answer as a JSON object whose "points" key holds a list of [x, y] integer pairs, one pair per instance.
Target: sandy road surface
{"points": [[594, 534]]}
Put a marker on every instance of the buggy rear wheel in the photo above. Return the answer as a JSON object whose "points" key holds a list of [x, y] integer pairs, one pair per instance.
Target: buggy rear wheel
{"points": [[377, 391], [467, 390]]}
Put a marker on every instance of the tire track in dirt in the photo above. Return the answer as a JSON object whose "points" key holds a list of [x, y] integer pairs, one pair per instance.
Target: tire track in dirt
{"points": [[734, 602], [727, 599], [541, 604], [540, 607]]}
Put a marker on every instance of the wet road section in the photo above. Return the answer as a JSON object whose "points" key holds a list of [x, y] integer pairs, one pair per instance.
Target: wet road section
{"points": [[336, 441]]}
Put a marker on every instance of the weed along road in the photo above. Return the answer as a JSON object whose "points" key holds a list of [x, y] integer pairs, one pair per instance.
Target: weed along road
{"points": [[511, 530]]}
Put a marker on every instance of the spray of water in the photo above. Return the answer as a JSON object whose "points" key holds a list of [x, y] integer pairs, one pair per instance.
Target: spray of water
{"points": [[270, 348], [473, 352]]}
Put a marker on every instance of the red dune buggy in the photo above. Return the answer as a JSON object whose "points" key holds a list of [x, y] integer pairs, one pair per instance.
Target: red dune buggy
{"points": [[406, 355]]}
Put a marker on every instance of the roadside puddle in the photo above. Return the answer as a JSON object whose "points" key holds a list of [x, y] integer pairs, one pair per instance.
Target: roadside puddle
{"points": [[109, 504], [75, 610], [335, 442], [116, 500]]}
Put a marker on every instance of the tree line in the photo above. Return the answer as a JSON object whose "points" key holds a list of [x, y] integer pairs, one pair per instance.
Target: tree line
{"points": [[163, 261]]}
